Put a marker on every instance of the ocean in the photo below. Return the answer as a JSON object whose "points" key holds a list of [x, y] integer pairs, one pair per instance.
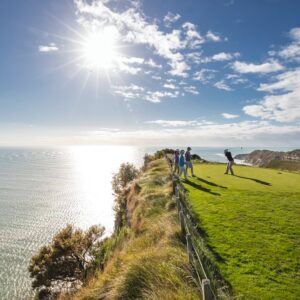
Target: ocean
{"points": [[42, 190]]}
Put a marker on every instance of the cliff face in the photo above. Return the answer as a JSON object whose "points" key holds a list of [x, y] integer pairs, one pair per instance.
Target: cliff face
{"points": [[262, 158]]}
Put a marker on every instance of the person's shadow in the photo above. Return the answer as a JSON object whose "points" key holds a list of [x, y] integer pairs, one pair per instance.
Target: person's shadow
{"points": [[211, 183], [254, 179], [201, 188]]}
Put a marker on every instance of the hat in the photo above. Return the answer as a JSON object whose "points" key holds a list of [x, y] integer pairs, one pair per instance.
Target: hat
{"points": [[181, 151], [189, 148]]}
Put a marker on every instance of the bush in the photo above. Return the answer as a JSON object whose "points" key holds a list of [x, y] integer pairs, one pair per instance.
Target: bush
{"points": [[126, 174], [63, 264]]}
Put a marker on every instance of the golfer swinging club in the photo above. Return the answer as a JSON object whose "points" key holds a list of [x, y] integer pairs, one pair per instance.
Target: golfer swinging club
{"points": [[230, 161]]}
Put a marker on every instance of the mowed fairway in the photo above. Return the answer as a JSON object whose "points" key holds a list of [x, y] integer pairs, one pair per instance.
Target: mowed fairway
{"points": [[253, 223]]}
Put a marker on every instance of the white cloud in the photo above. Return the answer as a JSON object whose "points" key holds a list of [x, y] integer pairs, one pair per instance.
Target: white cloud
{"points": [[191, 89], [138, 61], [213, 36], [48, 48], [128, 69], [236, 79], [170, 80], [172, 123], [267, 67], [156, 96], [171, 18], [221, 85], [129, 92], [232, 76], [204, 75], [295, 34], [193, 37], [183, 132], [195, 57], [284, 106], [153, 64], [156, 77], [223, 56], [132, 60], [229, 116], [292, 51], [199, 133], [170, 86]]}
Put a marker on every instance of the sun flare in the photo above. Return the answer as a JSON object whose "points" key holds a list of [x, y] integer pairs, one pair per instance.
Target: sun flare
{"points": [[100, 48]]}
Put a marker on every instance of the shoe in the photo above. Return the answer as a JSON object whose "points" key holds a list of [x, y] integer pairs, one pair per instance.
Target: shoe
{"points": [[193, 175], [225, 173]]}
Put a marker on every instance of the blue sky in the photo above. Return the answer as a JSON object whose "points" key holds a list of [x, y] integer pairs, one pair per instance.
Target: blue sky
{"points": [[202, 72]]}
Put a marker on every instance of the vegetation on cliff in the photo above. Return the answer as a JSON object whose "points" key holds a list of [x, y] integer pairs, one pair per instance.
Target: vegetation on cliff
{"points": [[63, 265], [145, 258], [149, 261]]}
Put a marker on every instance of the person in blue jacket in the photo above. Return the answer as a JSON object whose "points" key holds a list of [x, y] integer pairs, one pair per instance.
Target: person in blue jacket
{"points": [[182, 165]]}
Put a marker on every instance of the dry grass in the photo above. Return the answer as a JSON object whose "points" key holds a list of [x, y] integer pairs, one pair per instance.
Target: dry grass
{"points": [[151, 262]]}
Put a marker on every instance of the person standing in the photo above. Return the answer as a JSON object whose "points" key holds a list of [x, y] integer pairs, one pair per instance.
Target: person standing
{"points": [[230, 161], [182, 163], [176, 161], [188, 160]]}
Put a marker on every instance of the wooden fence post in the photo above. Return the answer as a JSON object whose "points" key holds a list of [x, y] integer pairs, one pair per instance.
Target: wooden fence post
{"points": [[182, 223], [174, 185], [206, 290], [189, 247], [176, 190]]}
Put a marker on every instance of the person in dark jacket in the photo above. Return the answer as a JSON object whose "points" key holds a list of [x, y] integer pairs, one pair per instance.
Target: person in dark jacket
{"points": [[230, 161], [188, 160]]}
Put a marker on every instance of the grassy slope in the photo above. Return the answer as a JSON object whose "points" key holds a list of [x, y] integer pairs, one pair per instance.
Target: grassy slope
{"points": [[151, 262], [285, 165], [252, 226]]}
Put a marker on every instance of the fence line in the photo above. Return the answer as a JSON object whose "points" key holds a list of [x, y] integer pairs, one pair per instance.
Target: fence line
{"points": [[213, 285], [194, 257]]}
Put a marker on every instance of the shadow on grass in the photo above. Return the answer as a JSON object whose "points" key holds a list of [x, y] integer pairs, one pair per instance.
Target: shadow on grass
{"points": [[201, 188], [211, 183], [254, 179]]}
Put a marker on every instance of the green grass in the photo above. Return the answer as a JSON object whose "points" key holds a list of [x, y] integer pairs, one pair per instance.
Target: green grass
{"points": [[252, 224]]}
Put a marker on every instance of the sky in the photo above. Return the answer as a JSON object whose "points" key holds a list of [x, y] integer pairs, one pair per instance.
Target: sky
{"points": [[172, 72]]}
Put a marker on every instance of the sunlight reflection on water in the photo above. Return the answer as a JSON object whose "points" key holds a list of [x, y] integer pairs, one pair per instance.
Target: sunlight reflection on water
{"points": [[93, 170], [42, 190]]}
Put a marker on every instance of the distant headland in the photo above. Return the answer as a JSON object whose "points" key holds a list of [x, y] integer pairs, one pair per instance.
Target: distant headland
{"points": [[273, 159]]}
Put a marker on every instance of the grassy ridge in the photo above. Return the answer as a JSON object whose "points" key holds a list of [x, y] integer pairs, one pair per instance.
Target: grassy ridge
{"points": [[293, 166], [252, 224], [150, 261]]}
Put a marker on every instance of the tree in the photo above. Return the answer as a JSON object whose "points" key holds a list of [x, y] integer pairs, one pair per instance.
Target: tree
{"points": [[63, 264], [126, 174]]}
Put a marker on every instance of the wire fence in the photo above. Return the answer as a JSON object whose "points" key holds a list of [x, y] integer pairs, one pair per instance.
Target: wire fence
{"points": [[209, 280]]}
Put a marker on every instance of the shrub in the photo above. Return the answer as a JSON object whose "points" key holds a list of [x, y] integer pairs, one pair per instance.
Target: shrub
{"points": [[126, 174], [63, 264]]}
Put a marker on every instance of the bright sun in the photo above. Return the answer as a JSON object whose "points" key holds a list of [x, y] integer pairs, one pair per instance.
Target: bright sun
{"points": [[99, 49]]}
